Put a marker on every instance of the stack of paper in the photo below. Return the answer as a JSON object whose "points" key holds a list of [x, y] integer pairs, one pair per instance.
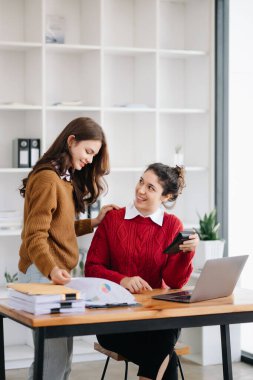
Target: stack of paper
{"points": [[102, 293], [37, 298]]}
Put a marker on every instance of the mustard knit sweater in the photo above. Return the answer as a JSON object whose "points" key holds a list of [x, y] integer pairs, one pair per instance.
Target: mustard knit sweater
{"points": [[50, 230]]}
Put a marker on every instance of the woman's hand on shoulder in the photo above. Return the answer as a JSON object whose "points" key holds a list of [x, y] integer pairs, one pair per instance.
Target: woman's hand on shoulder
{"points": [[135, 284], [191, 244], [96, 221], [59, 276]]}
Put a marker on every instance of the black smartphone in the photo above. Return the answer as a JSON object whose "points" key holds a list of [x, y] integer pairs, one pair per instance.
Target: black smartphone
{"points": [[179, 239]]}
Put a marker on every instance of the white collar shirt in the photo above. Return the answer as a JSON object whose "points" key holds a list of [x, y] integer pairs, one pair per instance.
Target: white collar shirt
{"points": [[156, 217], [66, 176]]}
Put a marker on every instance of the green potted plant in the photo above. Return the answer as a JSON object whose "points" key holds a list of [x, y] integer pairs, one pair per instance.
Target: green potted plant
{"points": [[210, 245], [10, 277], [79, 270]]}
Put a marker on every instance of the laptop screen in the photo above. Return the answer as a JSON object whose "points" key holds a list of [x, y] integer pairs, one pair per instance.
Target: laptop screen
{"points": [[217, 279]]}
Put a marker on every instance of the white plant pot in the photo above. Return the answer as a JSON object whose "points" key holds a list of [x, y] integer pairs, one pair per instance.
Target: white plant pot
{"points": [[207, 249]]}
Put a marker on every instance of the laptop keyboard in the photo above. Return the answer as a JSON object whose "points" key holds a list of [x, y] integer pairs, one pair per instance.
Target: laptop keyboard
{"points": [[183, 296], [184, 293]]}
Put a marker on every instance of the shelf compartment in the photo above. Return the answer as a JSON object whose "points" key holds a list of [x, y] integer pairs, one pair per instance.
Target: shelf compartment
{"points": [[129, 23], [178, 78], [194, 199], [188, 130], [124, 135], [130, 80], [185, 131], [23, 68], [20, 20], [81, 20], [9, 248], [73, 77], [185, 24], [18, 124]]}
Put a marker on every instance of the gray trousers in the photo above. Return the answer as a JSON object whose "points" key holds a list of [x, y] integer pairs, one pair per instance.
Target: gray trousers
{"points": [[57, 351]]}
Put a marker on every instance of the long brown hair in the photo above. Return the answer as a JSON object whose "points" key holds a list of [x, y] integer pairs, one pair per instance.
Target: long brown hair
{"points": [[88, 182]]}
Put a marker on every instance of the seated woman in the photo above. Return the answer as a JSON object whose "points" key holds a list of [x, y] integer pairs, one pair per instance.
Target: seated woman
{"points": [[127, 248]]}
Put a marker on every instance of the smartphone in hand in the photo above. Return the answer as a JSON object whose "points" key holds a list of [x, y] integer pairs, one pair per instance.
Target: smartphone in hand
{"points": [[179, 239]]}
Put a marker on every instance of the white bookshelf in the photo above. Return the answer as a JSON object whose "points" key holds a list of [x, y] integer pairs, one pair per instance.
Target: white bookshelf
{"points": [[143, 69]]}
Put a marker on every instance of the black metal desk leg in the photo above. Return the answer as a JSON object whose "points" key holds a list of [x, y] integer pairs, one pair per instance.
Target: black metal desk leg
{"points": [[38, 354], [226, 352], [2, 362]]}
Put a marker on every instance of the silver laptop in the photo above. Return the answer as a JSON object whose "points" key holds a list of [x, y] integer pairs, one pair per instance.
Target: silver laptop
{"points": [[218, 278]]}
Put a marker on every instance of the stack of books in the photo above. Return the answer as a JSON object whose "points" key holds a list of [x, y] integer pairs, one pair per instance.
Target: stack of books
{"points": [[40, 298]]}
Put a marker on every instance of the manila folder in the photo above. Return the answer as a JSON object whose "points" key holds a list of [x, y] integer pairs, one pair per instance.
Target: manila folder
{"points": [[45, 289]]}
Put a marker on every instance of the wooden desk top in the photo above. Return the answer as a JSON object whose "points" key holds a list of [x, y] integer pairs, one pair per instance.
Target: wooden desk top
{"points": [[241, 301]]}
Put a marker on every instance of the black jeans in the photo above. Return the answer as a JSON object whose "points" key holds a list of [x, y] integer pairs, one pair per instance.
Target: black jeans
{"points": [[146, 349]]}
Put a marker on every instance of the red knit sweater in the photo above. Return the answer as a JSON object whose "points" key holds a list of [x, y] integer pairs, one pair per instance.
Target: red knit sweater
{"points": [[133, 247]]}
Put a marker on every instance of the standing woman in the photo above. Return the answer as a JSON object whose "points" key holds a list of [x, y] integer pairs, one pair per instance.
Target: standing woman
{"points": [[68, 177], [127, 248]]}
